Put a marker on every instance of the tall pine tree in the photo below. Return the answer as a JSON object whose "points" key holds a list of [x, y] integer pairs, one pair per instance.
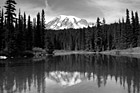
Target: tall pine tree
{"points": [[19, 34], [10, 12], [128, 34], [134, 38], [98, 36], [43, 29], [10, 17], [1, 30], [1, 19], [137, 30], [37, 37], [29, 35]]}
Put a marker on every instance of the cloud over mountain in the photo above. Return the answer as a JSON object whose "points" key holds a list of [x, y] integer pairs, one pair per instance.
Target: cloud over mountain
{"points": [[80, 8]]}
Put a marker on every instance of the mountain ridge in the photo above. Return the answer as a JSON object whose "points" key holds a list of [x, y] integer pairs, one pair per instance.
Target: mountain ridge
{"points": [[66, 22]]}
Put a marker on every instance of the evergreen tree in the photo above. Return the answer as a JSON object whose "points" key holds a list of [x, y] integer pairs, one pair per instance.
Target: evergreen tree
{"points": [[29, 35], [38, 32], [24, 21], [134, 38], [1, 30], [128, 31], [123, 38], [19, 34], [24, 31], [83, 39], [120, 34], [88, 39], [43, 29], [104, 36], [10, 19], [137, 29], [10, 12], [1, 19], [49, 46], [98, 36], [34, 31], [116, 35]]}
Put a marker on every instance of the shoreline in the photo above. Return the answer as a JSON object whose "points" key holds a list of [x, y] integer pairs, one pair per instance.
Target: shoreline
{"points": [[66, 52], [133, 52]]}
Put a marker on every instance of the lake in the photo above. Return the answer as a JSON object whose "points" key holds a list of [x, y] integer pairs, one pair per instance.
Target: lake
{"points": [[71, 74]]}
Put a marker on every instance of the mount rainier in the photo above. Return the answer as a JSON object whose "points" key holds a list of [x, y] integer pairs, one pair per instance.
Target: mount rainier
{"points": [[66, 22]]}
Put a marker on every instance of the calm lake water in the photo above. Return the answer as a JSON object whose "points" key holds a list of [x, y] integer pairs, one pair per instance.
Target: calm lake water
{"points": [[71, 74]]}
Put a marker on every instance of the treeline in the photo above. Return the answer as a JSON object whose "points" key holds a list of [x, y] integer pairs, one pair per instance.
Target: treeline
{"points": [[119, 35], [18, 32]]}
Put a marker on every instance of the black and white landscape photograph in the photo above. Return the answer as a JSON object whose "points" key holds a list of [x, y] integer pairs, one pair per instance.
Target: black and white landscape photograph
{"points": [[69, 46]]}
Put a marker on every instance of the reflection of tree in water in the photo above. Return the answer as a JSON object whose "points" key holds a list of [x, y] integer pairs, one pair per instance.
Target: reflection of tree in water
{"points": [[23, 78], [20, 79], [125, 70]]}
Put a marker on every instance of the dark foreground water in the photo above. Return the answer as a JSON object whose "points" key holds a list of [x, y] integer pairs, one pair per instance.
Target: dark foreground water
{"points": [[71, 74]]}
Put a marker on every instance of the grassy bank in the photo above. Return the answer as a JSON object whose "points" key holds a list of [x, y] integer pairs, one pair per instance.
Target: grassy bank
{"points": [[67, 52], [131, 52]]}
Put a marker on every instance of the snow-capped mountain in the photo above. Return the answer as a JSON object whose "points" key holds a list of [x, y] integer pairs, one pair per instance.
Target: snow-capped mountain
{"points": [[67, 78], [66, 22]]}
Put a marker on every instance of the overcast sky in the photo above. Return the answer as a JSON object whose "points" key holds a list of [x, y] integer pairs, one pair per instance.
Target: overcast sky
{"points": [[111, 10]]}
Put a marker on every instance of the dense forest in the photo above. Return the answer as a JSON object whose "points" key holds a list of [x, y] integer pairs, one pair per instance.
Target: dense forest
{"points": [[101, 37], [19, 33]]}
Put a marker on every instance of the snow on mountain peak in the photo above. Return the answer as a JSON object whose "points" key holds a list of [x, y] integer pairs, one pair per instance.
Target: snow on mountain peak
{"points": [[72, 18], [66, 22]]}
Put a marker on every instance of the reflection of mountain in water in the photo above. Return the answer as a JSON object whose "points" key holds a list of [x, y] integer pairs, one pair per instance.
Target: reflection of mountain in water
{"points": [[70, 70], [67, 78]]}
